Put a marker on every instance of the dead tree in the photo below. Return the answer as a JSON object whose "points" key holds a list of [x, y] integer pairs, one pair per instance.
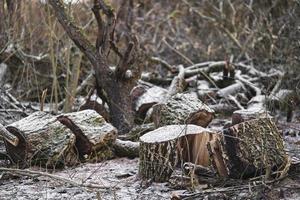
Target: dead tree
{"points": [[113, 83]]}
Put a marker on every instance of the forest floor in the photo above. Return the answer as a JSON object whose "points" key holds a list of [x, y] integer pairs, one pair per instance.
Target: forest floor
{"points": [[120, 175]]}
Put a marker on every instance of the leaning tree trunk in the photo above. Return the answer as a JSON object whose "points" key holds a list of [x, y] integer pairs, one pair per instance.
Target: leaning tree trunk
{"points": [[113, 84]]}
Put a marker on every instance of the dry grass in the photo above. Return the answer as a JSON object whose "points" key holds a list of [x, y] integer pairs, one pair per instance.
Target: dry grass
{"points": [[263, 32]]}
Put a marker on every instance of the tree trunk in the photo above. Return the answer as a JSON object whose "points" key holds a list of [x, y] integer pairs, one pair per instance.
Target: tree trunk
{"points": [[113, 84], [119, 101], [253, 148]]}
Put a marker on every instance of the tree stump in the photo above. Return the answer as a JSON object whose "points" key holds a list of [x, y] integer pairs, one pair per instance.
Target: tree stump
{"points": [[182, 109], [54, 141], [162, 149], [250, 148], [247, 149]]}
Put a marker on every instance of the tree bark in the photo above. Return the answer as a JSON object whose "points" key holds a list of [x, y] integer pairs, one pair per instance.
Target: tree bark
{"points": [[252, 148], [182, 109], [162, 149], [114, 84]]}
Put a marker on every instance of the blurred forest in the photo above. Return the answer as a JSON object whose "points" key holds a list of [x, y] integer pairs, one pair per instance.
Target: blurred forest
{"points": [[40, 55]]}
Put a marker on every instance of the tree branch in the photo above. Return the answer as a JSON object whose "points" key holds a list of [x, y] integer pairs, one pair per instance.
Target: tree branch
{"points": [[73, 31], [124, 62]]}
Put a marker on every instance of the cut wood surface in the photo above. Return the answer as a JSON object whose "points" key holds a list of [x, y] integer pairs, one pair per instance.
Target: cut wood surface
{"points": [[182, 109], [52, 141]]}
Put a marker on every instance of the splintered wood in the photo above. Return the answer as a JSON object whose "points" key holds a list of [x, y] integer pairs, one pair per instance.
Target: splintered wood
{"points": [[244, 150], [67, 139]]}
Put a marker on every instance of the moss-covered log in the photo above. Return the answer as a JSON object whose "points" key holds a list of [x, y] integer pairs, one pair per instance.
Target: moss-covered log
{"points": [[54, 141], [182, 109]]}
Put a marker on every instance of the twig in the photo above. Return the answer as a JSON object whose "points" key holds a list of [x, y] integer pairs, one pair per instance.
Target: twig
{"points": [[88, 80], [177, 84], [190, 62], [26, 172], [277, 86], [16, 102], [232, 98], [178, 52], [248, 83], [162, 62]]}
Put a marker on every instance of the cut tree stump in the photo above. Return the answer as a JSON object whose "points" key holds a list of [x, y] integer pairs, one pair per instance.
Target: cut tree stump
{"points": [[162, 149], [54, 141], [245, 150], [252, 148], [182, 109]]}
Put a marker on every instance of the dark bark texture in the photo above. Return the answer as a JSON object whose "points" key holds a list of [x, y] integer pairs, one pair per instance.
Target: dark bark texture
{"points": [[113, 84]]}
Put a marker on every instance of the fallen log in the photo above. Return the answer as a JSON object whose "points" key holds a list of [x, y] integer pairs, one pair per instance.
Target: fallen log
{"points": [[54, 141], [126, 148], [182, 109], [147, 98], [231, 89]]}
